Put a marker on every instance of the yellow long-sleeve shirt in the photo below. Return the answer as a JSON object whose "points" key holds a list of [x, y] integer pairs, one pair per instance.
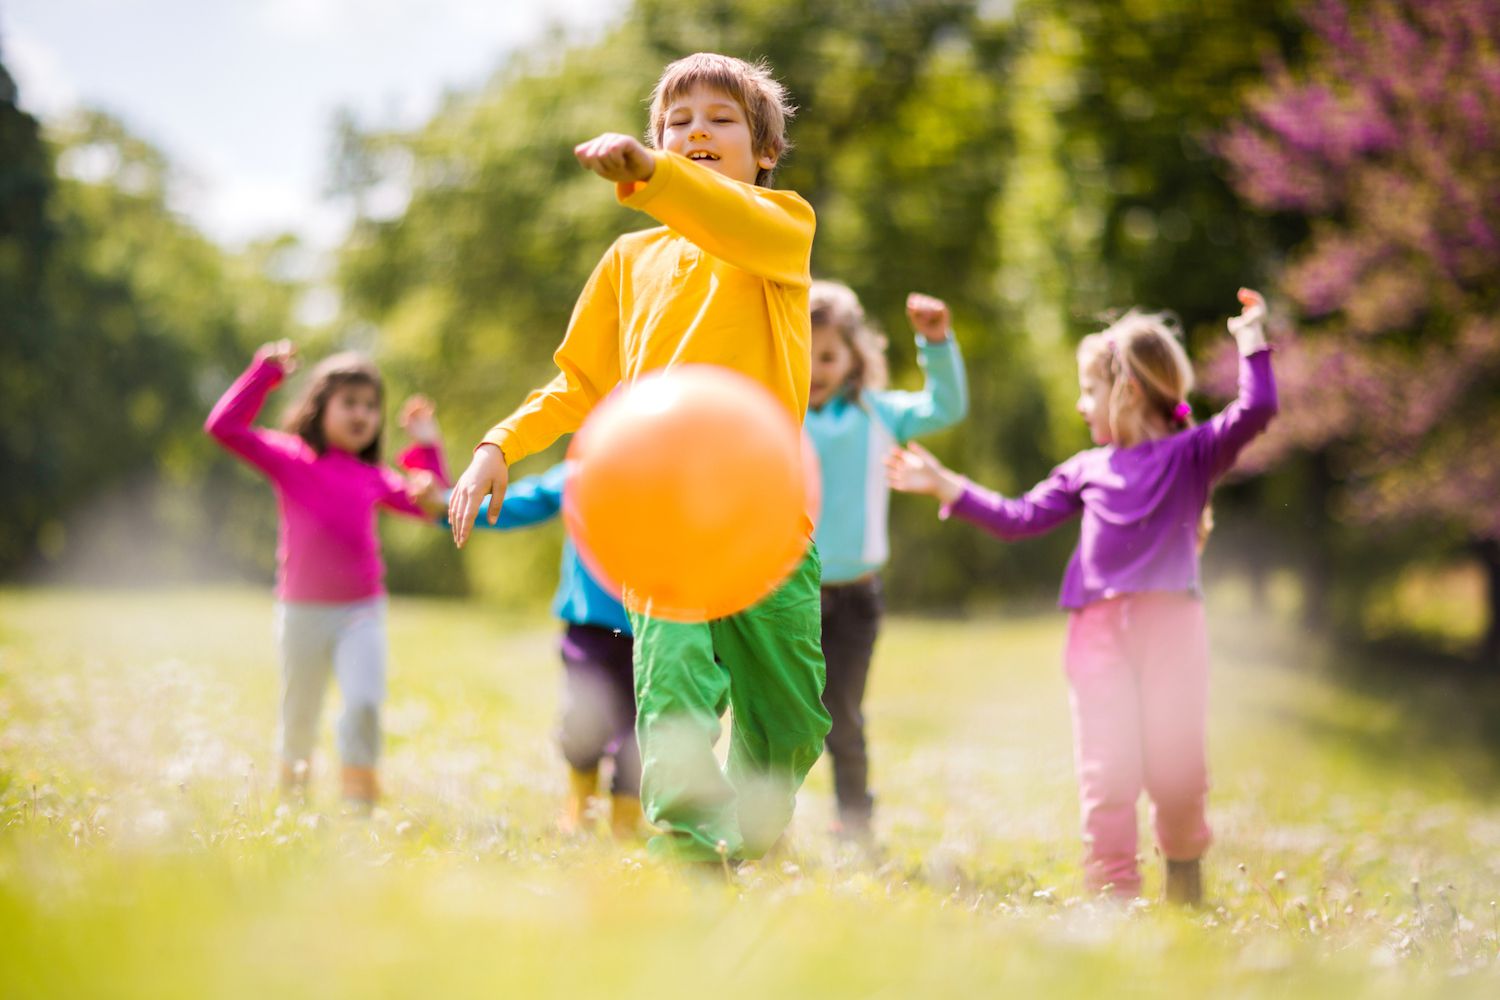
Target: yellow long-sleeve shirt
{"points": [[723, 281]]}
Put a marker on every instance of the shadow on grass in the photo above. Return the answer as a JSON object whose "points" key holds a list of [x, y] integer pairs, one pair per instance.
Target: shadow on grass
{"points": [[1448, 706]]}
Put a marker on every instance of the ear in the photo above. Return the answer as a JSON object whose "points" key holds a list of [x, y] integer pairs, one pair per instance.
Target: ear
{"points": [[766, 162]]}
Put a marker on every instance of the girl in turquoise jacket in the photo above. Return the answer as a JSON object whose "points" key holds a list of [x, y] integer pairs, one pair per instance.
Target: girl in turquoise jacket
{"points": [[854, 421]]}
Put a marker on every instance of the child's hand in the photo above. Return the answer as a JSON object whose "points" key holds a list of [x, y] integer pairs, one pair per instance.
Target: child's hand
{"points": [[929, 317], [616, 157], [281, 353], [424, 489], [486, 476], [913, 469], [419, 421], [1249, 327]]}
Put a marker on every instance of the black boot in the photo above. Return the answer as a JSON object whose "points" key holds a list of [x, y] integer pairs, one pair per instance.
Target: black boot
{"points": [[1185, 882]]}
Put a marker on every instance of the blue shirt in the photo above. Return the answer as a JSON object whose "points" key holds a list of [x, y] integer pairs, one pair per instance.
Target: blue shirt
{"points": [[580, 599], [853, 437]]}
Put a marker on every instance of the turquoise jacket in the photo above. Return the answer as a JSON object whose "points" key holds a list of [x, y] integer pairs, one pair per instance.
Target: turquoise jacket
{"points": [[580, 599], [853, 437]]}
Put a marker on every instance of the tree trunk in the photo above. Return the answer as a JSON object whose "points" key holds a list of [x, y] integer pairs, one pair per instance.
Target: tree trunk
{"points": [[1489, 557], [1318, 554]]}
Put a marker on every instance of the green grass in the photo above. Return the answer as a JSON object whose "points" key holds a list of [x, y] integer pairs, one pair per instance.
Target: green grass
{"points": [[142, 852]]}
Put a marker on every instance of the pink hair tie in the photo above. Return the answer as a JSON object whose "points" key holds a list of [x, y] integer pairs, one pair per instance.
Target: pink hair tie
{"points": [[1182, 411]]}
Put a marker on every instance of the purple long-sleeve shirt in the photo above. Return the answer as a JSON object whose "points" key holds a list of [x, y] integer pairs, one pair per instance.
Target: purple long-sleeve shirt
{"points": [[328, 549], [1141, 505]]}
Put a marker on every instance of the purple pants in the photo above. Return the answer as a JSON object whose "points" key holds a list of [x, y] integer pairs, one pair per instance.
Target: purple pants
{"points": [[1138, 674], [598, 706]]}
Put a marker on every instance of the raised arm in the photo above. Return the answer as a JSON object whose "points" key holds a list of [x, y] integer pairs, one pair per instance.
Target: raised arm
{"points": [[231, 420], [768, 233], [1218, 442], [944, 398]]}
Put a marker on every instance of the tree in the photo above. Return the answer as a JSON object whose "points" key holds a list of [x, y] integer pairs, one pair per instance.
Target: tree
{"points": [[126, 321], [1385, 139], [26, 244]]}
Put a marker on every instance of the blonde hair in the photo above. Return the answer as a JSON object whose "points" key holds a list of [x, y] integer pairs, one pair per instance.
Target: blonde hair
{"points": [[1145, 350], [764, 100], [834, 306]]}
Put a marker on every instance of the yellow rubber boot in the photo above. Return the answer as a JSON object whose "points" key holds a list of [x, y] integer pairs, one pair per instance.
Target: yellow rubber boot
{"points": [[626, 821], [361, 788], [582, 786]]}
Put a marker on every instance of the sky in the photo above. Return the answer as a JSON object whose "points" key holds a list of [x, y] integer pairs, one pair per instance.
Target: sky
{"points": [[241, 94]]}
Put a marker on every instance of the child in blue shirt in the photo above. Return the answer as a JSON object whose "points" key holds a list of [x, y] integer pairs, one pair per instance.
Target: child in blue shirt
{"points": [[854, 421], [598, 702]]}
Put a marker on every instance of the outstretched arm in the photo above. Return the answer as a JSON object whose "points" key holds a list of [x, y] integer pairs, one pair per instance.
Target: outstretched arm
{"points": [[767, 233], [913, 469], [529, 501]]}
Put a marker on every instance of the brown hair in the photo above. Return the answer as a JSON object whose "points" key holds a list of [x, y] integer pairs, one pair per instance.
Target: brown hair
{"points": [[305, 417], [1145, 350], [750, 84], [834, 306]]}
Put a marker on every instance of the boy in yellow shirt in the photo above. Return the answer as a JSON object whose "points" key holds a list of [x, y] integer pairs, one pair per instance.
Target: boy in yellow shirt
{"points": [[723, 281]]}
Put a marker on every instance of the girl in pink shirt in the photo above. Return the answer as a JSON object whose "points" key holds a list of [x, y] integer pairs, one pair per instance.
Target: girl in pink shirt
{"points": [[330, 610]]}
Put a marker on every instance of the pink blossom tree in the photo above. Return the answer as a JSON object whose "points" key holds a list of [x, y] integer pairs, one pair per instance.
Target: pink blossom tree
{"points": [[1386, 140]]}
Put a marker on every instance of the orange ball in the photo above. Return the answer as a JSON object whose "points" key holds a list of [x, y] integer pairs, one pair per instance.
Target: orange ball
{"points": [[692, 493]]}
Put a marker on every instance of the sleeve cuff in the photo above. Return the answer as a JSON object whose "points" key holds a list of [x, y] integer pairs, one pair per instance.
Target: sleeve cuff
{"points": [[637, 194], [501, 439], [947, 510], [923, 344]]}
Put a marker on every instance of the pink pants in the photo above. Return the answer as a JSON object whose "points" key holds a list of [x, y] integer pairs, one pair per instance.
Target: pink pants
{"points": [[1138, 675]]}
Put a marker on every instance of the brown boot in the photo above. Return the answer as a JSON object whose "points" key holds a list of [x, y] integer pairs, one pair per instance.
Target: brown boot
{"points": [[582, 787], [361, 789], [1185, 882], [626, 821], [294, 775]]}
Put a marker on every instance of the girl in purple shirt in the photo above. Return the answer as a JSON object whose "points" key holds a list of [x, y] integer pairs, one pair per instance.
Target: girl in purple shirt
{"points": [[1137, 652], [330, 590]]}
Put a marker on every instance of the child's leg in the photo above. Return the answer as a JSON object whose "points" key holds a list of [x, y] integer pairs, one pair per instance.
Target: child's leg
{"points": [[587, 723], [774, 657], [851, 621], [680, 692], [1174, 712], [1107, 744], [620, 672], [304, 640], [359, 660]]}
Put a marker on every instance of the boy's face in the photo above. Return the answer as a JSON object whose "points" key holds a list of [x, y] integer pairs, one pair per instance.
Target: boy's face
{"points": [[709, 127]]}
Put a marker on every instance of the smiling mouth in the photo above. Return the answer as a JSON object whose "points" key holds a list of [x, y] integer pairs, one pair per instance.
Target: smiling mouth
{"points": [[700, 155]]}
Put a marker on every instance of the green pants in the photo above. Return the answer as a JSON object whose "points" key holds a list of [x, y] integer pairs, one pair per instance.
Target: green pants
{"points": [[767, 664]]}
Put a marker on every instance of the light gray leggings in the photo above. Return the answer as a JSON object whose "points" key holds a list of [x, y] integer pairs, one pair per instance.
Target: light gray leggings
{"points": [[349, 639]]}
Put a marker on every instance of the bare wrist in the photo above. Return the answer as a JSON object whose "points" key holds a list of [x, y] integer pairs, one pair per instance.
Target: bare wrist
{"points": [[950, 487]]}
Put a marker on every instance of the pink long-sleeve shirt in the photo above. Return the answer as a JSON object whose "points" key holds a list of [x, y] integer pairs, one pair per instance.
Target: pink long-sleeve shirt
{"points": [[1140, 505], [328, 550]]}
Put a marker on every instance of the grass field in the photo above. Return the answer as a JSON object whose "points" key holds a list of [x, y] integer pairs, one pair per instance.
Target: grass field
{"points": [[143, 853]]}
